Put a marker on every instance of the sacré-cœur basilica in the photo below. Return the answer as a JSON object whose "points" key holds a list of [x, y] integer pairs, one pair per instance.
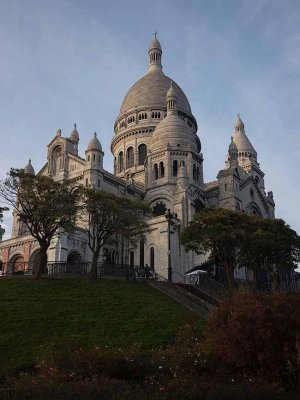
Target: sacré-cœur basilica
{"points": [[158, 158]]}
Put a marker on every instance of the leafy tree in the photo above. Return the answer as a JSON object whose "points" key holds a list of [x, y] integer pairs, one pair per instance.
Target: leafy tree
{"points": [[105, 215], [218, 232], [236, 239], [269, 245], [42, 204], [2, 209]]}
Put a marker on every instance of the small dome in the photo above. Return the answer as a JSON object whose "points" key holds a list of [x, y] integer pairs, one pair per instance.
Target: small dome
{"points": [[241, 140], [94, 144], [171, 92], [238, 122], [74, 135], [174, 131], [28, 169], [154, 44]]}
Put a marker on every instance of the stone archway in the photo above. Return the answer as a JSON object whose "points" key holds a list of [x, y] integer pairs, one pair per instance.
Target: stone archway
{"points": [[17, 264], [74, 258]]}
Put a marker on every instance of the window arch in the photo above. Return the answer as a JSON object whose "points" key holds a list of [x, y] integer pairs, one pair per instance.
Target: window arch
{"points": [[142, 153], [159, 209], [161, 170], [155, 171], [198, 205], [152, 259], [130, 157], [194, 172], [120, 161], [56, 160], [175, 168], [197, 173]]}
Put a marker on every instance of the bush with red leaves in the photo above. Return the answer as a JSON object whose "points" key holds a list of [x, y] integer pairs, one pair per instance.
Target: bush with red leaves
{"points": [[259, 333]]}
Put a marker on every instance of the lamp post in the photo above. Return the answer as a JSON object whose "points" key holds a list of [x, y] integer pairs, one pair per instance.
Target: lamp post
{"points": [[169, 216]]}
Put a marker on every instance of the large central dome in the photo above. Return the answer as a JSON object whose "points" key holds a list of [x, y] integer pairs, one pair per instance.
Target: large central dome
{"points": [[143, 109], [150, 92]]}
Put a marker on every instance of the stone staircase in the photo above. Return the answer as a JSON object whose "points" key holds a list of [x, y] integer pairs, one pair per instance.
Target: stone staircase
{"points": [[185, 297]]}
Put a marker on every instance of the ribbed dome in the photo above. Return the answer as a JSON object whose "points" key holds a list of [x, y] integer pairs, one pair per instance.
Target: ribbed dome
{"points": [[151, 91], [28, 169], [174, 131], [240, 138], [242, 142], [94, 144]]}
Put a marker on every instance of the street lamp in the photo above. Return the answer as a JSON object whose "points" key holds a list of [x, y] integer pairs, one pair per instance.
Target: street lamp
{"points": [[169, 216]]}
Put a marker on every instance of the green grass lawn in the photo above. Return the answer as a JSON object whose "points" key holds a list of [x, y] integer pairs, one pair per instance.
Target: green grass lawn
{"points": [[106, 313]]}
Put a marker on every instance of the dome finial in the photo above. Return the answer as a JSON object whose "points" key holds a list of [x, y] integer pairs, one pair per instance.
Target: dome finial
{"points": [[95, 134], [155, 53]]}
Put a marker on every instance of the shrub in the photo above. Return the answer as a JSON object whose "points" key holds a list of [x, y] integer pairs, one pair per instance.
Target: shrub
{"points": [[259, 333]]}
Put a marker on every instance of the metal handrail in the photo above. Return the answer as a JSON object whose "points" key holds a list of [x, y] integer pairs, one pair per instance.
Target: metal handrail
{"points": [[193, 301]]}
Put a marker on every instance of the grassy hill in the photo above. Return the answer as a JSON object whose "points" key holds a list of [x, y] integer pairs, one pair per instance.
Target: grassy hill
{"points": [[105, 313]]}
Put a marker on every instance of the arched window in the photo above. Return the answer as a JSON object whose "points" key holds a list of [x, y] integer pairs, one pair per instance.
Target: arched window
{"points": [[197, 173], [152, 258], [57, 160], [159, 209], [256, 179], [198, 205], [131, 258], [130, 157], [121, 161], [161, 170], [155, 171], [194, 172], [94, 157], [175, 168], [142, 154]]}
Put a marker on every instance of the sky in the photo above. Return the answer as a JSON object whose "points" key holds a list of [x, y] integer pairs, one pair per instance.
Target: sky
{"points": [[63, 62]]}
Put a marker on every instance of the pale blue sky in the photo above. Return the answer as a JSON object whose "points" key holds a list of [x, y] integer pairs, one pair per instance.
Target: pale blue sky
{"points": [[73, 61]]}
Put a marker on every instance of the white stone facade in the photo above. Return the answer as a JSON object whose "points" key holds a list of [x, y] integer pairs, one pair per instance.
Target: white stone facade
{"points": [[157, 157]]}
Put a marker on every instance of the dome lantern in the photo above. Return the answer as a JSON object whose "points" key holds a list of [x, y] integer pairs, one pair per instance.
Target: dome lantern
{"points": [[239, 124], [155, 53], [74, 135], [171, 100], [240, 139]]}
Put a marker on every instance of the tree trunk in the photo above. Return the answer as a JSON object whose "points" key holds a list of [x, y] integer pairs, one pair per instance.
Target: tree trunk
{"points": [[93, 271], [255, 277], [40, 268], [229, 274]]}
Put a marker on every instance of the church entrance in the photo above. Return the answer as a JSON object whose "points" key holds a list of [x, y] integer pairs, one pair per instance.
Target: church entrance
{"points": [[18, 265]]}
